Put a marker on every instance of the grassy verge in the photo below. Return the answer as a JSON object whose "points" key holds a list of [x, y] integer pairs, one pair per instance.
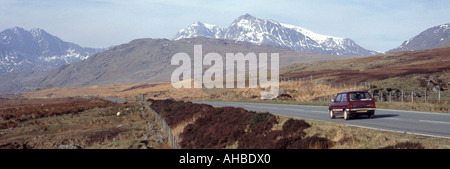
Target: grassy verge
{"points": [[426, 107], [348, 137]]}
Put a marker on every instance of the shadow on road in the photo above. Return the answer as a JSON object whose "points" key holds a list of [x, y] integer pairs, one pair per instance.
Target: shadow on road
{"points": [[362, 117], [377, 116]]}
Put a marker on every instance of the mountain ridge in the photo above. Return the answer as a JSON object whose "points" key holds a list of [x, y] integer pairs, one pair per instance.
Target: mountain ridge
{"points": [[434, 37], [36, 49], [270, 32]]}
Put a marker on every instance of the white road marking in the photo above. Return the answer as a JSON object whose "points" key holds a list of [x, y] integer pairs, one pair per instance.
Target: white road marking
{"points": [[431, 121], [294, 109], [392, 118]]}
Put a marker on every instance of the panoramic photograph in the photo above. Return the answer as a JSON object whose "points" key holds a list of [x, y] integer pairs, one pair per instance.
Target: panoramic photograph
{"points": [[323, 74]]}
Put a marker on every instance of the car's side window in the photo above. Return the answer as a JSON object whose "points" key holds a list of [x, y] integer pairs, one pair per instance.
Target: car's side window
{"points": [[338, 98], [344, 98]]}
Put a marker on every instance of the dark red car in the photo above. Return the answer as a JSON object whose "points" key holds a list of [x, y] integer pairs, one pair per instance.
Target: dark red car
{"points": [[352, 103]]}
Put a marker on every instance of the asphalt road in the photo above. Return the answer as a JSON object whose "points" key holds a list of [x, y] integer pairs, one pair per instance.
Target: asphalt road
{"points": [[420, 123]]}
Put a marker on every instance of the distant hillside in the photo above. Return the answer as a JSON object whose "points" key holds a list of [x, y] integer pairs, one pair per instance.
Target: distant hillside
{"points": [[148, 60], [403, 70], [434, 37]]}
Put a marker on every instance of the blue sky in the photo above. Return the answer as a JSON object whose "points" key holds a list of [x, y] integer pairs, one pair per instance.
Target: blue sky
{"points": [[376, 24]]}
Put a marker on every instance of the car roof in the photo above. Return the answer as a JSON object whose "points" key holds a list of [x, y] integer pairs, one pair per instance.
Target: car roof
{"points": [[357, 91]]}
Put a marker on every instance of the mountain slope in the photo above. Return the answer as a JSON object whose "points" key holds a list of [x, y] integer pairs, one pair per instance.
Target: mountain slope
{"points": [[36, 49], [148, 60], [269, 32], [411, 70], [434, 37]]}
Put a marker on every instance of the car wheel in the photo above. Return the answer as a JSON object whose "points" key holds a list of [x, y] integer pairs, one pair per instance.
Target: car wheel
{"points": [[346, 115], [370, 116], [332, 116]]}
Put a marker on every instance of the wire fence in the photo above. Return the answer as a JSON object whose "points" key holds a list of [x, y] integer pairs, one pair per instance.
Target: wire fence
{"points": [[165, 128], [360, 85], [414, 96]]}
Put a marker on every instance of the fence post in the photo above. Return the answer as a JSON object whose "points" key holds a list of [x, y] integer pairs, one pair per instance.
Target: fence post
{"points": [[381, 96], [412, 97], [439, 96], [402, 96], [425, 95], [390, 96]]}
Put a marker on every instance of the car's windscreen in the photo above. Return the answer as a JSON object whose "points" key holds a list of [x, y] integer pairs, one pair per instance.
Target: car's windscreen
{"points": [[361, 96], [338, 98]]}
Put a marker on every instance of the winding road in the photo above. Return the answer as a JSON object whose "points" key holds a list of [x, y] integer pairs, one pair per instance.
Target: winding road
{"points": [[412, 122]]}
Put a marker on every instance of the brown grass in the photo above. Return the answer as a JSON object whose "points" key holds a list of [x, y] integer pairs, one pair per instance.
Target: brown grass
{"points": [[374, 68], [155, 90], [24, 110], [94, 127]]}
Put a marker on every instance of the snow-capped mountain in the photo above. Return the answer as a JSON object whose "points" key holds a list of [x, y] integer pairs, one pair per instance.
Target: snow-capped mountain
{"points": [[434, 37], [269, 32], [36, 49], [200, 29]]}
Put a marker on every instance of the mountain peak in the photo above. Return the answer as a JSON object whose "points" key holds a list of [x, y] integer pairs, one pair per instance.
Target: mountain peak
{"points": [[247, 16], [21, 32], [200, 29], [39, 30], [40, 33], [15, 30], [207, 26], [248, 20], [197, 23]]}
